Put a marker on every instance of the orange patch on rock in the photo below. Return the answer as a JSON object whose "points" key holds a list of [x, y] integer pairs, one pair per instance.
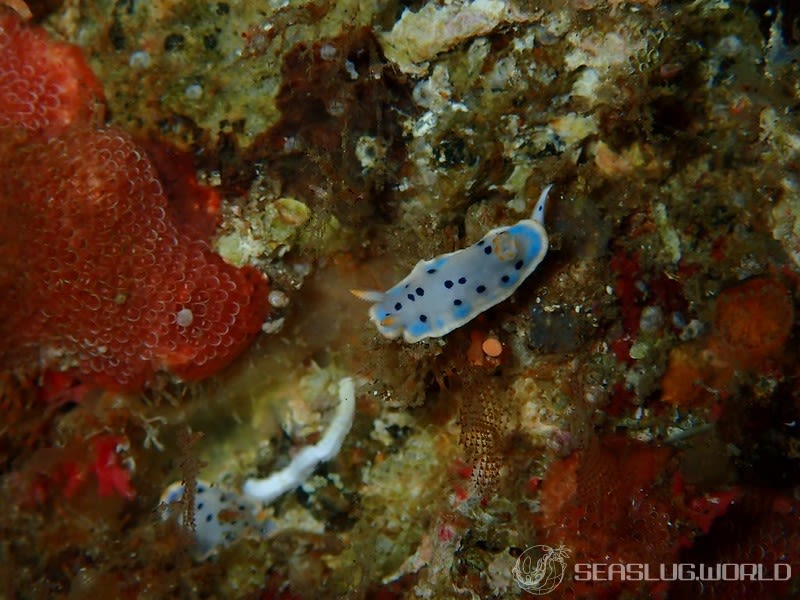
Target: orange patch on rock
{"points": [[688, 378], [752, 322]]}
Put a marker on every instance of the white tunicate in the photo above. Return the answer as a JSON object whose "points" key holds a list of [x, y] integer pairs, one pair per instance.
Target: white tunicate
{"points": [[504, 71], [139, 60], [290, 144], [424, 124], [194, 91], [278, 299], [327, 52], [434, 93], [184, 317], [693, 330], [302, 269], [351, 70], [652, 319], [730, 46], [336, 108], [370, 151], [273, 326], [638, 350]]}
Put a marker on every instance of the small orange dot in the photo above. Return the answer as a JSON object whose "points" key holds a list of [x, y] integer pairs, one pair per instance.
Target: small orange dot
{"points": [[492, 347]]}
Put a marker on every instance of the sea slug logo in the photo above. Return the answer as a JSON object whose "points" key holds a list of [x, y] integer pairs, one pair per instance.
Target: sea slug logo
{"points": [[540, 569]]}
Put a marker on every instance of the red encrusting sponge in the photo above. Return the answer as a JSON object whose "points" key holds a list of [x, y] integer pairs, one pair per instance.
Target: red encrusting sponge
{"points": [[95, 272], [43, 83]]}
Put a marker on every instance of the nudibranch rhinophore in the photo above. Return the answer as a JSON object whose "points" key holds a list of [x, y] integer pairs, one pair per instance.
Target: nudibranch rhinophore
{"points": [[443, 293]]}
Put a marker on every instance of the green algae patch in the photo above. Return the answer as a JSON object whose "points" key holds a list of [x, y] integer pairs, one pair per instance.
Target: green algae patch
{"points": [[200, 71]]}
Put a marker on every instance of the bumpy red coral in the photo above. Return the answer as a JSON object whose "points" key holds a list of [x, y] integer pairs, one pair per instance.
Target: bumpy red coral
{"points": [[96, 272], [761, 529], [43, 84], [602, 502], [616, 503]]}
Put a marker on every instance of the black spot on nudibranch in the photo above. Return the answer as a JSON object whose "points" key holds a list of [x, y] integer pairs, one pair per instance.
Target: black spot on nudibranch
{"points": [[457, 302], [208, 518], [505, 278], [200, 506], [431, 271], [462, 280], [480, 289], [398, 306], [481, 243], [487, 250], [200, 489], [448, 284], [420, 292], [518, 265], [411, 297], [423, 318]]}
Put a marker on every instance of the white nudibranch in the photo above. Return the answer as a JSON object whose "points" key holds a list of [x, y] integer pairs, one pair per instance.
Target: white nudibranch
{"points": [[445, 292], [221, 516], [304, 462]]}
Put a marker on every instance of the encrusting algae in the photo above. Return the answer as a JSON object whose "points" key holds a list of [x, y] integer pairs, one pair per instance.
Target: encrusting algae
{"points": [[194, 405]]}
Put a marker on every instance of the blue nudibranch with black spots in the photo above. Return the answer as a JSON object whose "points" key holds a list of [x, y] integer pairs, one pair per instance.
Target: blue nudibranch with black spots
{"points": [[443, 293]]}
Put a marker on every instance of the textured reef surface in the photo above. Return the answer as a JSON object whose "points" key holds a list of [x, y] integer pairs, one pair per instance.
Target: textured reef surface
{"points": [[190, 190]]}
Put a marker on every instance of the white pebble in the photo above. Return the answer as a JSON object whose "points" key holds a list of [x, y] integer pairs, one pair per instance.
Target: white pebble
{"points": [[194, 91], [139, 60], [184, 317], [301, 269], [327, 52], [336, 108]]}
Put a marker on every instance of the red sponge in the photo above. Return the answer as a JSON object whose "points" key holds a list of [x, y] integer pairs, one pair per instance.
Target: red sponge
{"points": [[43, 83], [94, 271]]}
